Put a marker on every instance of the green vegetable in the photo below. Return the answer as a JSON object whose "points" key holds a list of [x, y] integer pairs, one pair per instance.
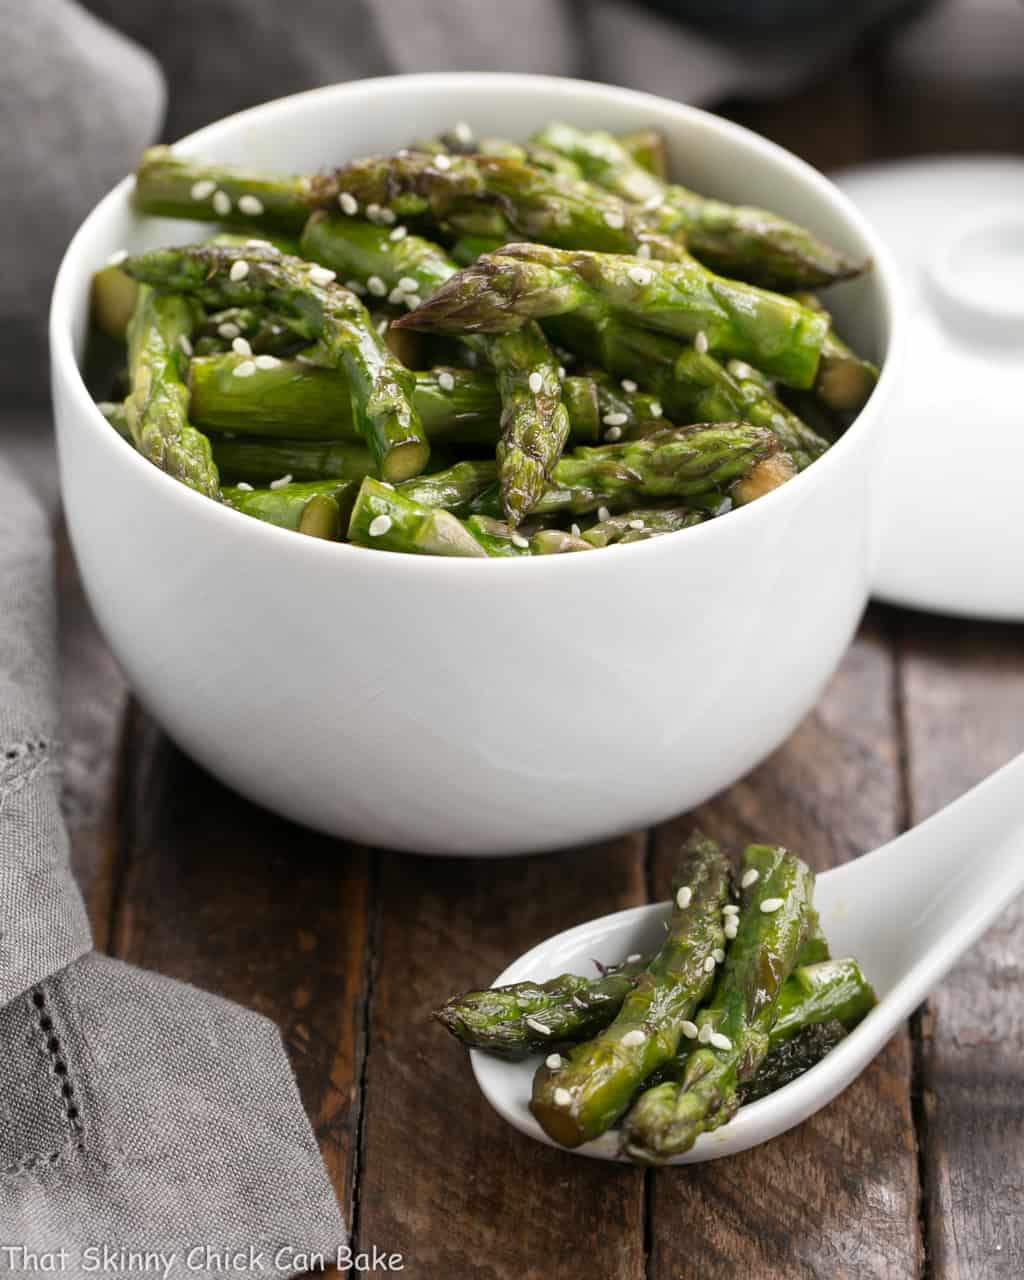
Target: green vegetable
{"points": [[584, 1094], [313, 508], [735, 1027]]}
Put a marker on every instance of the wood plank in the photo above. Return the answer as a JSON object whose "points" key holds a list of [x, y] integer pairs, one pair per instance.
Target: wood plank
{"points": [[964, 700], [224, 895], [444, 1180], [837, 1196], [93, 698]]}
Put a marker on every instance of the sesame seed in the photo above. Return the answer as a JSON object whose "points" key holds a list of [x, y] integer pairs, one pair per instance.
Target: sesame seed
{"points": [[373, 212], [613, 434], [562, 1097], [408, 285], [266, 362], [615, 419], [463, 132], [519, 541], [399, 233], [536, 382], [700, 343], [184, 344], [731, 910], [203, 189], [281, 481], [705, 1033], [239, 270], [636, 957], [244, 485], [603, 514], [689, 1029], [640, 275], [684, 897], [643, 251], [771, 905], [731, 929], [241, 347], [628, 385], [553, 1061], [709, 964], [718, 1041], [379, 525], [574, 529], [322, 275], [221, 203], [260, 244], [348, 203], [251, 205], [382, 328], [445, 381], [356, 287], [387, 217], [655, 409], [653, 202], [740, 370], [117, 257], [637, 524], [530, 1022], [615, 219], [750, 877], [377, 286], [228, 329], [561, 372], [441, 161], [718, 954], [412, 301], [633, 1038], [245, 370], [396, 296]]}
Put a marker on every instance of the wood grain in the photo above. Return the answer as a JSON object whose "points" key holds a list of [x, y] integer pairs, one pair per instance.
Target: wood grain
{"points": [[836, 1197], [226, 896], [964, 705], [444, 1180]]}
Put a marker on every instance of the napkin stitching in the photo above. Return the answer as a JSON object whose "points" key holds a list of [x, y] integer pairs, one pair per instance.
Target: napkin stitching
{"points": [[51, 1044]]}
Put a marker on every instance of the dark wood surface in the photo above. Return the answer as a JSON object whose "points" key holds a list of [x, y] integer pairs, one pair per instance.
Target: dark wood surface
{"points": [[917, 1170]]}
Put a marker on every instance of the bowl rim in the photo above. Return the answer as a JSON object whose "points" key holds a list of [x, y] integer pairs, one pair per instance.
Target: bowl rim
{"points": [[66, 369]]}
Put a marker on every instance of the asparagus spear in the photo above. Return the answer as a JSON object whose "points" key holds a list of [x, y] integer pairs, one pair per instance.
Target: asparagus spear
{"points": [[585, 1093], [494, 196], [528, 1017], [156, 411], [534, 421], [173, 186], [500, 291], [844, 380], [324, 313], [454, 489], [689, 386], [113, 300], [753, 244], [698, 462], [384, 517], [313, 508], [647, 148], [264, 461], [735, 1027], [302, 401], [640, 524]]}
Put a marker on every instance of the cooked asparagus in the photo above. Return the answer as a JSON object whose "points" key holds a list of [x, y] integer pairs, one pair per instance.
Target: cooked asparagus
{"points": [[586, 1092], [326, 314], [734, 1028], [752, 244]]}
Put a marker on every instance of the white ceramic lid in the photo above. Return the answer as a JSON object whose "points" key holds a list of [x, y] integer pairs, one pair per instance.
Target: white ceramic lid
{"points": [[952, 486]]}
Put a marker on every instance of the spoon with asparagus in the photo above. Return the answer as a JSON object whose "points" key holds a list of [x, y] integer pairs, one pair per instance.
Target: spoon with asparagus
{"points": [[692, 1029]]}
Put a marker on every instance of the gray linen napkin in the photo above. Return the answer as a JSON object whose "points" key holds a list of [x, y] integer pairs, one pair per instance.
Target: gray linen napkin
{"points": [[135, 1112]]}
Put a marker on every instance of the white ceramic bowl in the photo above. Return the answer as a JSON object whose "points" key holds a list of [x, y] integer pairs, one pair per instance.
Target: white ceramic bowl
{"points": [[459, 706]]}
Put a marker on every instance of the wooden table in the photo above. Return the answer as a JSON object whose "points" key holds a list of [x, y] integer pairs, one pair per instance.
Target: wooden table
{"points": [[918, 1169]]}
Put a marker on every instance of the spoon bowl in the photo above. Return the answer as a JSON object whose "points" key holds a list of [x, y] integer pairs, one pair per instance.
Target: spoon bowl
{"points": [[907, 911]]}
